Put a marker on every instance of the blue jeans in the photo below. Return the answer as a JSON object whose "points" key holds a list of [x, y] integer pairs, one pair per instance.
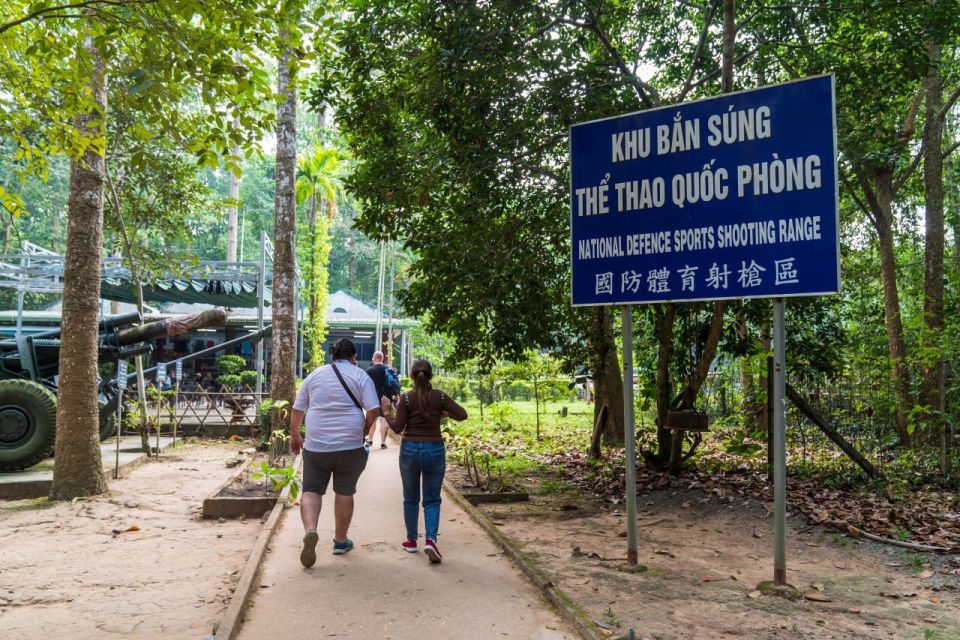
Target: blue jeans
{"points": [[424, 462]]}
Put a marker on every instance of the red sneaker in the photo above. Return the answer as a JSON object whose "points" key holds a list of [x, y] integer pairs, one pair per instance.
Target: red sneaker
{"points": [[430, 548], [410, 546]]}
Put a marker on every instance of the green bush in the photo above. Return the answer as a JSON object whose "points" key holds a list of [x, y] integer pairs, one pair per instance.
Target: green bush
{"points": [[503, 414], [230, 364], [248, 378], [229, 380]]}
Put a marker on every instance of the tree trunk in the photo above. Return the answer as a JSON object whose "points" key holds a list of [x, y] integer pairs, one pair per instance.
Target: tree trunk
{"points": [[284, 339], [232, 225], [883, 180], [78, 469], [934, 245], [608, 383], [747, 389], [763, 422], [699, 375], [316, 357], [729, 39], [663, 328]]}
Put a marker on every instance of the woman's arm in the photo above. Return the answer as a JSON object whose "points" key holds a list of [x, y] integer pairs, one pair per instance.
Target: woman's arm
{"points": [[397, 421], [452, 409]]}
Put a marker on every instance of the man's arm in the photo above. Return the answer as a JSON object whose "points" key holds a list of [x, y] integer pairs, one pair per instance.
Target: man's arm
{"points": [[296, 440]]}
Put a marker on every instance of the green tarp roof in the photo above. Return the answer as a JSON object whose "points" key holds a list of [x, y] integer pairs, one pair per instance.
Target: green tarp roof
{"points": [[223, 293]]}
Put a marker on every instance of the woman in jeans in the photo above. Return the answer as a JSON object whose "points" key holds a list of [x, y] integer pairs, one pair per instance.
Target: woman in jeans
{"points": [[423, 459]]}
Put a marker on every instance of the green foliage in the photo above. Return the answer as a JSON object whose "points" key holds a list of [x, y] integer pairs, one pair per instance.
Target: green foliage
{"points": [[248, 378], [738, 445], [319, 184], [281, 478], [229, 381], [230, 363]]}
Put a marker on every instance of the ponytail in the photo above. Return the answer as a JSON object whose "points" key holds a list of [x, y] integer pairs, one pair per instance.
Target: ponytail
{"points": [[421, 373]]}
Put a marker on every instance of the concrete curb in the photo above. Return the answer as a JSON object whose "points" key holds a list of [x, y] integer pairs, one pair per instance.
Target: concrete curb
{"points": [[233, 617], [569, 611]]}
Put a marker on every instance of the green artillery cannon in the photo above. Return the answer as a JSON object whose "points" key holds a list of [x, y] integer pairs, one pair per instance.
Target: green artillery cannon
{"points": [[29, 370]]}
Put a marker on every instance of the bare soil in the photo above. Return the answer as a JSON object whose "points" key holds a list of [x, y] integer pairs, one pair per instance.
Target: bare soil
{"points": [[705, 557], [244, 486], [136, 562]]}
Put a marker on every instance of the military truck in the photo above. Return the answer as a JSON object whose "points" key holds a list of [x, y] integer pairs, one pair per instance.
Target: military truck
{"points": [[29, 371]]}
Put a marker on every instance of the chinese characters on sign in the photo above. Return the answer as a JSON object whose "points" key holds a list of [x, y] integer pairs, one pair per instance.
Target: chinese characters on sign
{"points": [[718, 278]]}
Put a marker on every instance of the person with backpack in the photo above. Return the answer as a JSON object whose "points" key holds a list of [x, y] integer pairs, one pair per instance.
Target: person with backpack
{"points": [[388, 386], [423, 460]]}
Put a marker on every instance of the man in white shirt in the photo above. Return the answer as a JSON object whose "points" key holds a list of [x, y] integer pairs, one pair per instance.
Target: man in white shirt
{"points": [[340, 404]]}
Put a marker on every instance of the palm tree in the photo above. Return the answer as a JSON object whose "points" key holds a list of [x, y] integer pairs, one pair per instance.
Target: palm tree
{"points": [[319, 183]]}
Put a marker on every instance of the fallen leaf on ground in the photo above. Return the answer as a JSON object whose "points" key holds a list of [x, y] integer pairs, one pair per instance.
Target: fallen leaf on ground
{"points": [[931, 620], [925, 574], [686, 504], [818, 586], [853, 611], [753, 594], [812, 544], [711, 579], [889, 594], [817, 597], [665, 552], [935, 599], [839, 565]]}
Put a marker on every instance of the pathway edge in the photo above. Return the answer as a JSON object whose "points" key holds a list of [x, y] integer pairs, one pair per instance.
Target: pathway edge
{"points": [[569, 611], [229, 626]]}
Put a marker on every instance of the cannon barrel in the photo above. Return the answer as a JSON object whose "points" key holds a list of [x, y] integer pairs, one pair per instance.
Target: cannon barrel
{"points": [[170, 326], [122, 320]]}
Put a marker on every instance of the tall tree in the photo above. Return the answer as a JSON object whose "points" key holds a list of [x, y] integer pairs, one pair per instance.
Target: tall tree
{"points": [[77, 409], [882, 69], [283, 367], [319, 185], [163, 52]]}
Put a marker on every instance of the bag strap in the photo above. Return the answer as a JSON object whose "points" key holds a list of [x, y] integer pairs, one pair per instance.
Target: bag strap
{"points": [[346, 388]]}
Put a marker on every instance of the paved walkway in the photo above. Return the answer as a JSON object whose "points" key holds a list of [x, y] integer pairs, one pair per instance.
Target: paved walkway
{"points": [[379, 591]]}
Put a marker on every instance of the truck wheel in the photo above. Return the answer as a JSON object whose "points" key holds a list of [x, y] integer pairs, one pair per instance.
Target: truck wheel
{"points": [[108, 422], [28, 420]]}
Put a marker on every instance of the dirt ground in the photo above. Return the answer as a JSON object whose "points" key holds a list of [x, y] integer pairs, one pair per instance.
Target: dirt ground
{"points": [[65, 573], [705, 557]]}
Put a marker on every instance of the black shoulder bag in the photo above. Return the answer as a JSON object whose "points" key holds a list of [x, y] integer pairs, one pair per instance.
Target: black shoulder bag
{"points": [[347, 389]]}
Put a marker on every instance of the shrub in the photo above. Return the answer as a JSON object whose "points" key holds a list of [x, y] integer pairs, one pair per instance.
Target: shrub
{"points": [[230, 364], [229, 380], [248, 378]]}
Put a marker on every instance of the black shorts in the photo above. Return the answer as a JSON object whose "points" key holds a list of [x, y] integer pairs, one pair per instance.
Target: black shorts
{"points": [[346, 467]]}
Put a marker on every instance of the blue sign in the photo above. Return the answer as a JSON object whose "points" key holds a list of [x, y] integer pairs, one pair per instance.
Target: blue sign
{"points": [[730, 197]]}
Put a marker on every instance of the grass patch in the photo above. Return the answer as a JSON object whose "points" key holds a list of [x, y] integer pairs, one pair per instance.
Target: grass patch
{"points": [[552, 485], [32, 504]]}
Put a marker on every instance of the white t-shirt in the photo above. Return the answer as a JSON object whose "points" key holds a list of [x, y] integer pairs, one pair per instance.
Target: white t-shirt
{"points": [[333, 421]]}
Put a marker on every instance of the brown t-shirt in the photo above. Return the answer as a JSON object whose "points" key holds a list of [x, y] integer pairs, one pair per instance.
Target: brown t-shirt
{"points": [[413, 425]]}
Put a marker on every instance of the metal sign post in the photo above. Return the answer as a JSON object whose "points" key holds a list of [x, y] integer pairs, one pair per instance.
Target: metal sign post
{"points": [[629, 434], [121, 385], [161, 377], [779, 446], [176, 398]]}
